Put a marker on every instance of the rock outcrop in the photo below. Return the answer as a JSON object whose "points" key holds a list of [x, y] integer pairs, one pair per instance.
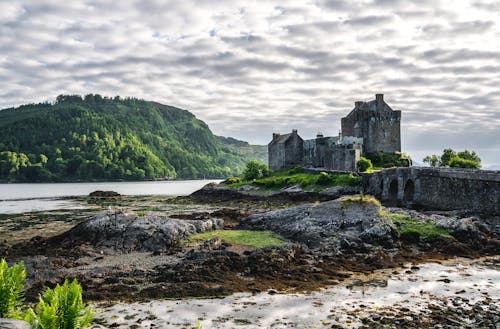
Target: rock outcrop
{"points": [[330, 226], [129, 232]]}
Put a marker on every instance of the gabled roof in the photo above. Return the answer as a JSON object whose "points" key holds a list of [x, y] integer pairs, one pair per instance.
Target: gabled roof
{"points": [[368, 106], [282, 138]]}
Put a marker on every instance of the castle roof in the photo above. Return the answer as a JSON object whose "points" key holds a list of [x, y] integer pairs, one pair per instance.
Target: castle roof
{"points": [[370, 106], [282, 138]]}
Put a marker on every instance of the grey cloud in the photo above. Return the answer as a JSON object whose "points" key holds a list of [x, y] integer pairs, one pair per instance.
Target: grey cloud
{"points": [[269, 67]]}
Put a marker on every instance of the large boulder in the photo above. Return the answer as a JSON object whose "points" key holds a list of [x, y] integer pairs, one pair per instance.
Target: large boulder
{"points": [[129, 232], [329, 226]]}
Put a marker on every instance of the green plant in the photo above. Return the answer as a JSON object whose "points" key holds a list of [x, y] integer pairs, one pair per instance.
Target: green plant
{"points": [[255, 170], [361, 199], [450, 158], [12, 282], [324, 178], [364, 164], [63, 308], [412, 230], [232, 180], [456, 162], [257, 239]]}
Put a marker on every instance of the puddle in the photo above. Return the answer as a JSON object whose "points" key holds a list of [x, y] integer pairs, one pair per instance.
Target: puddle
{"points": [[413, 288]]}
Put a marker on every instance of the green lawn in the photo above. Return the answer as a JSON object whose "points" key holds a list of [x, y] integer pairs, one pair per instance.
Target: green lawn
{"points": [[257, 239]]}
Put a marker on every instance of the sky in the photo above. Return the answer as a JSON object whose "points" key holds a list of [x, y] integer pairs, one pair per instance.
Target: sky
{"points": [[251, 68]]}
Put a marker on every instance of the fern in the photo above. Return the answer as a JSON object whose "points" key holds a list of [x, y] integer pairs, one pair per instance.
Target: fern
{"points": [[12, 282], [63, 308]]}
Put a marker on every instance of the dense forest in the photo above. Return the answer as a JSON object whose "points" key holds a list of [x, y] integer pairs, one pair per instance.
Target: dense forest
{"points": [[102, 138]]}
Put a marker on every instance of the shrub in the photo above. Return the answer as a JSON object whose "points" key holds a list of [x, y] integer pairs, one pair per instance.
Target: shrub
{"points": [[364, 164], [324, 178], [255, 170], [12, 282], [232, 180], [63, 308], [456, 162]]}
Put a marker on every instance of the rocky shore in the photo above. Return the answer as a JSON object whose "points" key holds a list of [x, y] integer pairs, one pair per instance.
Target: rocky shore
{"points": [[123, 254]]}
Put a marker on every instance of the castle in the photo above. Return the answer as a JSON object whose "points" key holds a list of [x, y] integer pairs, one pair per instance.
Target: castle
{"points": [[369, 128]]}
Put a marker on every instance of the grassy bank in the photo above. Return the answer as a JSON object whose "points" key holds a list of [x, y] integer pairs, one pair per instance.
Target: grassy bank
{"points": [[297, 177]]}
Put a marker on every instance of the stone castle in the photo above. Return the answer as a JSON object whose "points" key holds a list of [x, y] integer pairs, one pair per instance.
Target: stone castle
{"points": [[369, 128]]}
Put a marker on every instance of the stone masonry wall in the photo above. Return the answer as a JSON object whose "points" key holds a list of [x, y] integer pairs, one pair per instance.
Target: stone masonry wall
{"points": [[438, 188]]}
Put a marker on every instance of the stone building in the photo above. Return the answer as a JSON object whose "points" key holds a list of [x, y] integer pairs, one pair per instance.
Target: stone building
{"points": [[376, 123], [370, 127], [286, 151]]}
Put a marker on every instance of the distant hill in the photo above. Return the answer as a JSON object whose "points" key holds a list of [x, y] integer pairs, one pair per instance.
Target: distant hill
{"points": [[101, 138]]}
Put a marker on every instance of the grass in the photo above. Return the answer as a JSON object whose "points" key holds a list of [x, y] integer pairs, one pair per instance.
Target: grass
{"points": [[295, 176], [409, 229], [361, 199], [413, 230], [257, 239]]}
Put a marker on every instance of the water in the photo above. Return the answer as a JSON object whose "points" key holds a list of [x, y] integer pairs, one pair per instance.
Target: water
{"points": [[359, 295], [17, 198]]}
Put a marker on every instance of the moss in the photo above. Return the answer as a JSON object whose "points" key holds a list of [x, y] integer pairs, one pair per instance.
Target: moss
{"points": [[361, 199], [412, 230], [257, 239]]}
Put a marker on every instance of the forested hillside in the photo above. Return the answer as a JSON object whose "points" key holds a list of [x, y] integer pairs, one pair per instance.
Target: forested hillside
{"points": [[100, 138]]}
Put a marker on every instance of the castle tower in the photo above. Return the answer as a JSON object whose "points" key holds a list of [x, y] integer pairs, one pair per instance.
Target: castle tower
{"points": [[376, 123]]}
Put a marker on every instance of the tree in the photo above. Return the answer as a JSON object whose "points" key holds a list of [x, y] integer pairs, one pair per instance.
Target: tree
{"points": [[432, 160], [364, 164], [452, 159], [446, 157], [457, 162], [255, 170], [468, 155]]}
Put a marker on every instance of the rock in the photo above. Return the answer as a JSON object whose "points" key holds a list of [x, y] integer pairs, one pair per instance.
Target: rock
{"points": [[248, 188], [293, 189], [338, 191], [127, 232], [104, 194], [212, 244], [329, 226], [14, 324]]}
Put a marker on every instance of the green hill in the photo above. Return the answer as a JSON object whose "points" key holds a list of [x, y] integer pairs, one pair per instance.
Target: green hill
{"points": [[101, 138]]}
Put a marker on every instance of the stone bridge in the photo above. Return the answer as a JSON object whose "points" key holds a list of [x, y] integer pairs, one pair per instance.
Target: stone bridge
{"points": [[437, 188]]}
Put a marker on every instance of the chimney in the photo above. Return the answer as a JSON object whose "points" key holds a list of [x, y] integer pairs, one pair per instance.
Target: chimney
{"points": [[275, 135], [358, 104], [294, 131], [380, 102]]}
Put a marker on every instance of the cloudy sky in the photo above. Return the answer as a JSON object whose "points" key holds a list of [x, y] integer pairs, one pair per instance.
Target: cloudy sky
{"points": [[249, 68]]}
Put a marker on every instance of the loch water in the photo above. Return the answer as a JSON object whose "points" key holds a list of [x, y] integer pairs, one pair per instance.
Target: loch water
{"points": [[18, 198]]}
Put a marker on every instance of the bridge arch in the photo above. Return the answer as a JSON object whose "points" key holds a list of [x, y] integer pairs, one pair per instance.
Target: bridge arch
{"points": [[409, 191], [392, 196]]}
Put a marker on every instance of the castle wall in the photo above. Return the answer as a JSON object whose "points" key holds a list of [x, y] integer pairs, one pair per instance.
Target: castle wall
{"points": [[344, 157], [310, 153], [276, 156], [294, 150], [437, 188]]}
